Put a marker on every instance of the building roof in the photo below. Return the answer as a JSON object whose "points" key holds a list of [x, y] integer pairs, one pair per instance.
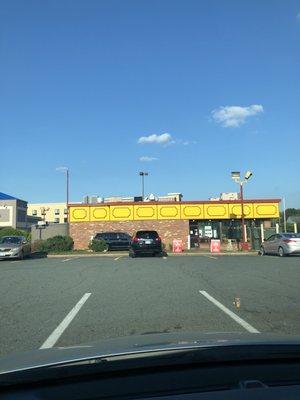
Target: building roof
{"points": [[4, 196], [123, 203]]}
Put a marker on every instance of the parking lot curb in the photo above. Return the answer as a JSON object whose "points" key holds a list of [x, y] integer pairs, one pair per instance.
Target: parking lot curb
{"points": [[168, 254]]}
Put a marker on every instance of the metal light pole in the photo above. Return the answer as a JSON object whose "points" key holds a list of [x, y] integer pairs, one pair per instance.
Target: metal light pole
{"points": [[66, 170], [236, 176], [143, 174], [284, 214], [242, 212]]}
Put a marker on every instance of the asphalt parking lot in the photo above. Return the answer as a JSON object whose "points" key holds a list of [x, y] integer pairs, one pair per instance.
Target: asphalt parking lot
{"points": [[70, 301]]}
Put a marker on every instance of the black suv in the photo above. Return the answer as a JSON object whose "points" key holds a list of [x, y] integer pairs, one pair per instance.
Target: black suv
{"points": [[115, 240], [145, 242]]}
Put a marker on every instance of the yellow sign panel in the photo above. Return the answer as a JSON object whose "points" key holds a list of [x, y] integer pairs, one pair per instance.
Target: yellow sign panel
{"points": [[191, 211], [99, 213], [168, 211], [216, 211], [171, 211], [121, 213], [145, 212], [79, 214], [235, 210], [266, 210]]}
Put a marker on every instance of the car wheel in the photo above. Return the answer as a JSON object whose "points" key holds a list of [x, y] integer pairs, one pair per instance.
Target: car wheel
{"points": [[21, 255], [281, 252], [262, 251]]}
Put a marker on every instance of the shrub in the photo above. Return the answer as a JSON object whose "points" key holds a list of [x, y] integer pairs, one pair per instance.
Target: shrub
{"points": [[60, 243], [39, 246], [7, 231], [98, 245], [56, 243]]}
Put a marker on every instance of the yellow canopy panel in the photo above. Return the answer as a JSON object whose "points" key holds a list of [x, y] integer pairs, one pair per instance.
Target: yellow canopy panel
{"points": [[150, 211]]}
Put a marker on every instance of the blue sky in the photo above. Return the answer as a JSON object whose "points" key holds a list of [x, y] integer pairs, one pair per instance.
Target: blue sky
{"points": [[211, 87]]}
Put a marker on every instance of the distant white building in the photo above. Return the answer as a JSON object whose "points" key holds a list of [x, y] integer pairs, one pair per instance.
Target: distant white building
{"points": [[229, 196]]}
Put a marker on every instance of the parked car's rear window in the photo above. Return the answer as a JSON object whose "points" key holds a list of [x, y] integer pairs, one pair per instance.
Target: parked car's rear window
{"points": [[147, 234], [99, 236], [112, 235]]}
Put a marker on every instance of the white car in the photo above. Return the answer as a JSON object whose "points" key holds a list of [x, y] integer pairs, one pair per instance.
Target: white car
{"points": [[281, 244]]}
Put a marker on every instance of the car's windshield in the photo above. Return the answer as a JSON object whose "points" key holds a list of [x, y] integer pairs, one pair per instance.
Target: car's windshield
{"points": [[149, 172], [10, 239]]}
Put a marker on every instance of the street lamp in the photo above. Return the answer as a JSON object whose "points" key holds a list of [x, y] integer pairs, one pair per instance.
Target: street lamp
{"points": [[143, 174], [236, 176], [66, 170]]}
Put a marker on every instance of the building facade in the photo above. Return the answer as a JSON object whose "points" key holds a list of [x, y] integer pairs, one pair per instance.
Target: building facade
{"points": [[13, 212], [49, 212], [194, 222]]}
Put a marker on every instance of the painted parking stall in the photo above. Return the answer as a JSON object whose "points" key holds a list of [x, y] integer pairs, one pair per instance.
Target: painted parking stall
{"points": [[88, 299]]}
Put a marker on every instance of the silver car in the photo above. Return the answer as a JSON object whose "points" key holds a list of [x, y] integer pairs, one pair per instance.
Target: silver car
{"points": [[14, 247], [281, 244]]}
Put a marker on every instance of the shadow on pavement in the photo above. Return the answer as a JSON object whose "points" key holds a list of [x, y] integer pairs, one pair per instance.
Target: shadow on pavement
{"points": [[144, 255], [39, 254]]}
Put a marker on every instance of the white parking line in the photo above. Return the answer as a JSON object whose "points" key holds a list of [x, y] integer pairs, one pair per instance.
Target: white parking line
{"points": [[56, 334], [118, 258], [16, 261], [231, 314], [67, 259]]}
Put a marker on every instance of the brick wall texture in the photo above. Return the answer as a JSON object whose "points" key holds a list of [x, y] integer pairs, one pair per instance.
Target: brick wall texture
{"points": [[168, 230]]}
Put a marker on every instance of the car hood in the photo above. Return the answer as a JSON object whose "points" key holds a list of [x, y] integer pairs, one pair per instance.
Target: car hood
{"points": [[9, 245], [149, 343]]}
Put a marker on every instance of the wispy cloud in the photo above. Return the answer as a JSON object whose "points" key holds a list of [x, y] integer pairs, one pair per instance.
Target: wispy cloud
{"points": [[148, 159], [235, 116], [164, 138], [298, 16]]}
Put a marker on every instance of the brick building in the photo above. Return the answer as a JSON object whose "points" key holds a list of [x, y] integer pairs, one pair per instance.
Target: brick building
{"points": [[194, 222]]}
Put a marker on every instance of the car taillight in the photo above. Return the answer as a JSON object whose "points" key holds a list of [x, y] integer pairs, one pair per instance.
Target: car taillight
{"points": [[158, 239], [289, 241], [135, 239]]}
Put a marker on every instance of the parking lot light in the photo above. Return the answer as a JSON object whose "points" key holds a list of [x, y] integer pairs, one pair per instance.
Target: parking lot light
{"points": [[66, 170], [236, 176], [143, 174]]}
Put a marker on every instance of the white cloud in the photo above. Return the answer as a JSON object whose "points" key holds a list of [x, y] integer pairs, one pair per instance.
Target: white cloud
{"points": [[235, 116], [298, 16], [148, 159], [164, 138]]}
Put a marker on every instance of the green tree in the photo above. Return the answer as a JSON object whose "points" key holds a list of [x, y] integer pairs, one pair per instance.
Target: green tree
{"points": [[8, 231]]}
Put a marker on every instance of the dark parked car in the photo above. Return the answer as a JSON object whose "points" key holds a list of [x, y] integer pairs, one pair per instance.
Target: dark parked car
{"points": [[115, 240], [145, 242]]}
